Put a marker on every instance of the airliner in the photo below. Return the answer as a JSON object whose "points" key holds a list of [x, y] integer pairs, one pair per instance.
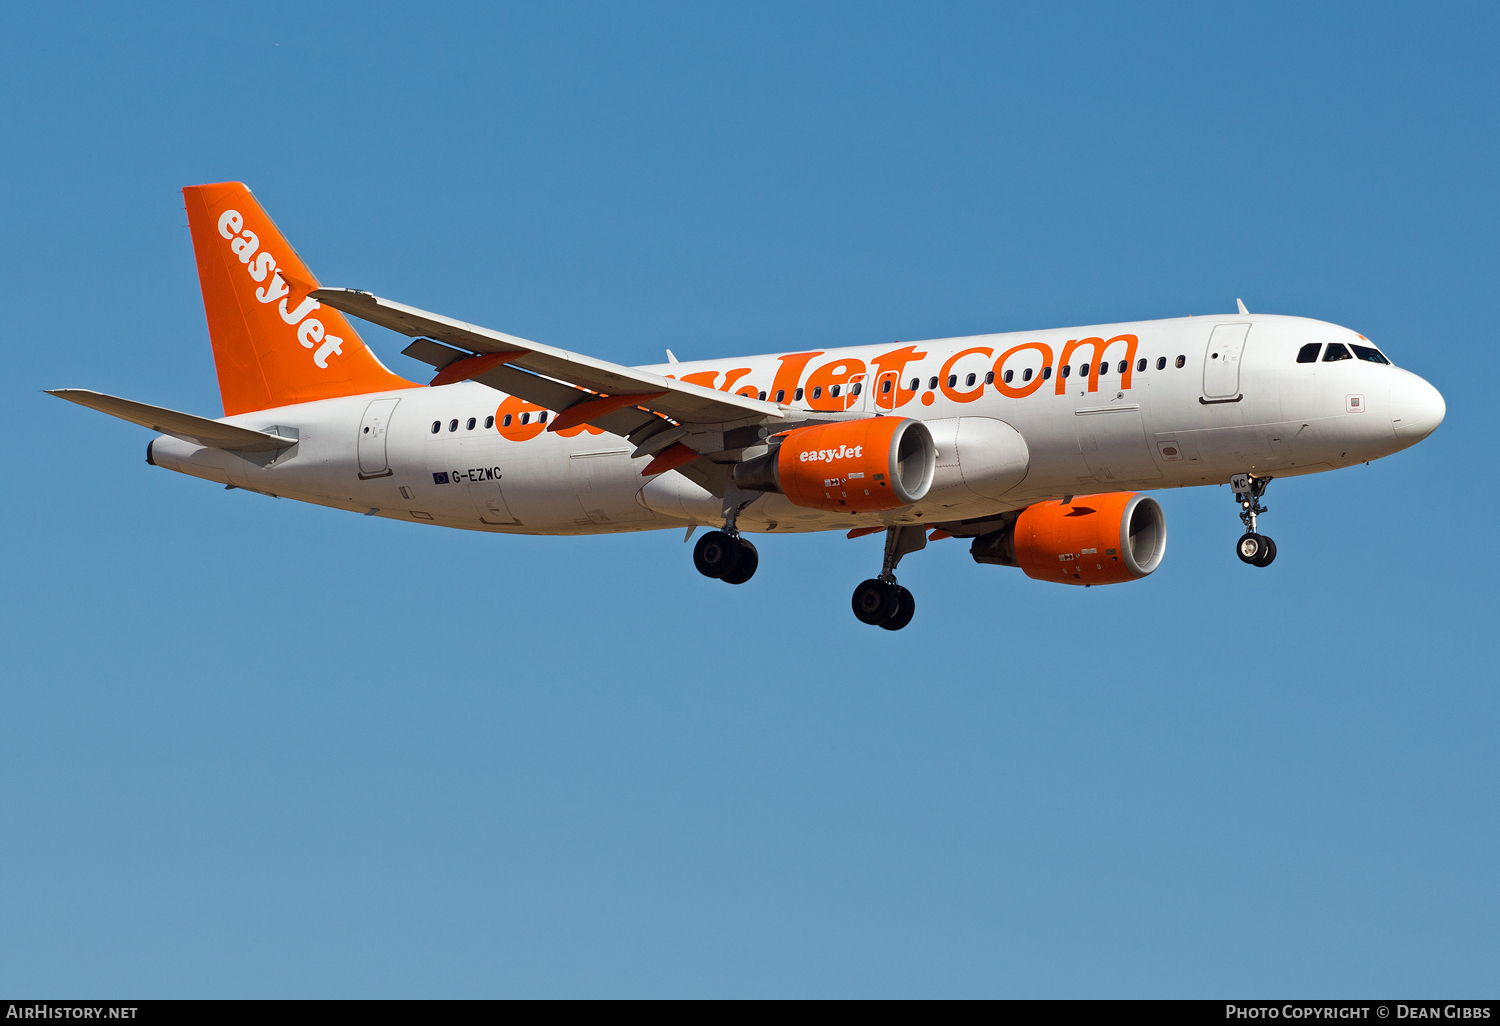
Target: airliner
{"points": [[1038, 446]]}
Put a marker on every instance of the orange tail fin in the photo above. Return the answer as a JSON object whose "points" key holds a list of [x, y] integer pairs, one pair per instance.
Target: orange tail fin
{"points": [[272, 345]]}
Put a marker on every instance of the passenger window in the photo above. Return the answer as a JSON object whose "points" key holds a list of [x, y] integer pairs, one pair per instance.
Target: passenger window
{"points": [[1309, 352], [1011, 374], [969, 381], [989, 377], [437, 426], [1103, 369], [525, 418], [1140, 365], [541, 418], [489, 422], [470, 425], [1067, 369], [1123, 365], [1046, 373], [833, 392], [1161, 363], [453, 425], [885, 387], [781, 395], [858, 387], [797, 398], [933, 382], [817, 391], [916, 383], [1369, 355], [1025, 375], [762, 396], [1181, 362], [1336, 352], [506, 421]]}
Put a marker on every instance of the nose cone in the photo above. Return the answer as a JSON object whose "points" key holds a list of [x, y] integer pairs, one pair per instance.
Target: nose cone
{"points": [[1416, 408]]}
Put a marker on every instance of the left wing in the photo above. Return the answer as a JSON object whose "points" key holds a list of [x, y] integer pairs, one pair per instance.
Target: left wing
{"points": [[623, 400]]}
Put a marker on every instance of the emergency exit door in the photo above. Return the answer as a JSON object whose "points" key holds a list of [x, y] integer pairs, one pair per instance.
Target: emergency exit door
{"points": [[1221, 364], [372, 438]]}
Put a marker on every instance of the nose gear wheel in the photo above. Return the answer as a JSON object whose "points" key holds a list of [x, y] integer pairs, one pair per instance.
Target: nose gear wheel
{"points": [[1253, 547]]}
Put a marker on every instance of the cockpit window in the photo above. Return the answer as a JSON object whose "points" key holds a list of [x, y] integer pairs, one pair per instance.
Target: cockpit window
{"points": [[1309, 352], [1369, 354], [1336, 351]]}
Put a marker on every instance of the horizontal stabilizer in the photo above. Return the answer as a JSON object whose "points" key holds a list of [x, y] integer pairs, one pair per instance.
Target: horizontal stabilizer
{"points": [[198, 430]]}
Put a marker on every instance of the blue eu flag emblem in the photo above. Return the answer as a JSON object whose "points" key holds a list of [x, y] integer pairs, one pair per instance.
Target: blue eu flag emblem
{"points": [[440, 478]]}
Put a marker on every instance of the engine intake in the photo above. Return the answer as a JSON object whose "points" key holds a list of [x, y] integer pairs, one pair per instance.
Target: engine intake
{"points": [[853, 466], [1095, 539]]}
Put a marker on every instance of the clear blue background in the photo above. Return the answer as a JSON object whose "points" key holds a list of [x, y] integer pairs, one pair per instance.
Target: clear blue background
{"points": [[251, 747]]}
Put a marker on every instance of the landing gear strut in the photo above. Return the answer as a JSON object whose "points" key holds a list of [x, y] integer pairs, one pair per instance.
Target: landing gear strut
{"points": [[724, 554], [1253, 548], [880, 601]]}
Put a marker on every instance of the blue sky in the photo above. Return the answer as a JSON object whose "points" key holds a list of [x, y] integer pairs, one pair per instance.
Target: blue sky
{"points": [[255, 748]]}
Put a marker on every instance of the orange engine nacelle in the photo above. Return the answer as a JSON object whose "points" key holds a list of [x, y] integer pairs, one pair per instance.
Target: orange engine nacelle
{"points": [[853, 466], [1095, 539]]}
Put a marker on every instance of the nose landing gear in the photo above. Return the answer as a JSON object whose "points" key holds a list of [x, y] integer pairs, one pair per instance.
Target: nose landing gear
{"points": [[1253, 548], [880, 601]]}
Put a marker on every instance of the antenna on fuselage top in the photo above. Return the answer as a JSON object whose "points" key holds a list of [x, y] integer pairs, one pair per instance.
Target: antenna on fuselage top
{"points": [[1241, 304]]}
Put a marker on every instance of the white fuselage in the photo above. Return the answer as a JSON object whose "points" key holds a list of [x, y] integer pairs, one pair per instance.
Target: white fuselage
{"points": [[1232, 407]]}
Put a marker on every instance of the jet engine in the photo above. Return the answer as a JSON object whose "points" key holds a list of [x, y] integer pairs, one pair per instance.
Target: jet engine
{"points": [[853, 466], [1093, 539]]}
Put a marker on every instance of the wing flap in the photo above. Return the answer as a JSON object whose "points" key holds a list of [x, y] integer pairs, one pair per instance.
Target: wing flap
{"points": [[190, 428]]}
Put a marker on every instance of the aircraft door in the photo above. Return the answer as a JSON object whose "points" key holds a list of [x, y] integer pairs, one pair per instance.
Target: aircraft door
{"points": [[372, 437], [478, 468], [885, 389], [606, 485], [1221, 364], [1113, 443], [489, 502]]}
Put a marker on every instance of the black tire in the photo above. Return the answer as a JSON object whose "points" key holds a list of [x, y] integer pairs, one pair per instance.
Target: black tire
{"points": [[906, 608], [1250, 548], [716, 554], [874, 601], [1270, 553], [749, 560]]}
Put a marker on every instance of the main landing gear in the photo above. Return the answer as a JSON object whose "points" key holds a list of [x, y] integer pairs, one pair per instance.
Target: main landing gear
{"points": [[1253, 548], [880, 601], [724, 554], [728, 557]]}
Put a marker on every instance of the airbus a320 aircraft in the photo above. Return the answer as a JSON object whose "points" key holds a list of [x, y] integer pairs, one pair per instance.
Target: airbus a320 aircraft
{"points": [[1037, 445]]}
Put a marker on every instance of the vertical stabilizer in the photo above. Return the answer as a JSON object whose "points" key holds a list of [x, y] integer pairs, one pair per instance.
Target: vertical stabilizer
{"points": [[273, 346]]}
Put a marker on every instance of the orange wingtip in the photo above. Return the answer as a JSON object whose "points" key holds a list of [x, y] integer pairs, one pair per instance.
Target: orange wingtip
{"points": [[471, 367], [299, 288], [860, 532], [592, 409], [670, 458]]}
